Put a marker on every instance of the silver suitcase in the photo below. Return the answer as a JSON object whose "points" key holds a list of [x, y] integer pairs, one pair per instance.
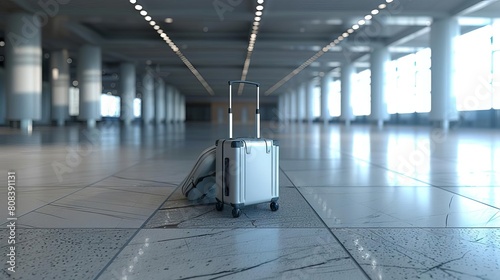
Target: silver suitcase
{"points": [[247, 169]]}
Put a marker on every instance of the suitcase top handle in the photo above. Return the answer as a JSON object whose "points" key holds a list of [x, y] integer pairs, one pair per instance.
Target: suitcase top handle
{"points": [[230, 110], [243, 82]]}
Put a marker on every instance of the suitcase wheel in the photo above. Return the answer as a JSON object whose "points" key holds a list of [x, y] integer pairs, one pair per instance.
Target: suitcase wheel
{"points": [[236, 212], [274, 206], [219, 206]]}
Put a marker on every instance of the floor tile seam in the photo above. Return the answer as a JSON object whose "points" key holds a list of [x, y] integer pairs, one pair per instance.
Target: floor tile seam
{"points": [[72, 228], [134, 235], [357, 264], [170, 184], [427, 183], [319, 169], [235, 228], [410, 228], [80, 189], [358, 186]]}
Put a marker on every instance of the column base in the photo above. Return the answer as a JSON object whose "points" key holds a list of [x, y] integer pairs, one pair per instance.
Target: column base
{"points": [[127, 122], [91, 123], [444, 125], [26, 126], [380, 124]]}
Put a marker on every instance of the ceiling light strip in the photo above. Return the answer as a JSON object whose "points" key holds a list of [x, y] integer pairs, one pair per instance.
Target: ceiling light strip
{"points": [[259, 10], [172, 45], [333, 43]]}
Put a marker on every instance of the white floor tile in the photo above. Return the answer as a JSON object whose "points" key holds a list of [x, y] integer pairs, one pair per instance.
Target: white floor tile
{"points": [[398, 207], [233, 254], [98, 207], [425, 253]]}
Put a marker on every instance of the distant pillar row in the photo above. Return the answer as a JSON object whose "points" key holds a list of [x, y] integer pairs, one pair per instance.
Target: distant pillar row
{"points": [[128, 92], [379, 58], [23, 65], [179, 110], [293, 105], [3, 98], [286, 106], [147, 98], [176, 105], [60, 86], [325, 92], [443, 103], [169, 116], [301, 102], [310, 100], [160, 101], [90, 83], [183, 108], [346, 73], [280, 107]]}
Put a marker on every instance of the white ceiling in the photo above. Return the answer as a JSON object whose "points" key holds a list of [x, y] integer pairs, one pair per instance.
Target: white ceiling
{"points": [[215, 42]]}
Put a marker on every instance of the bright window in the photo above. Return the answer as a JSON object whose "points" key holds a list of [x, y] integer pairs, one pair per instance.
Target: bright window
{"points": [[405, 84], [391, 87], [110, 105], [409, 83], [317, 102], [137, 107], [496, 64], [74, 101], [423, 81], [473, 79], [361, 93], [334, 99]]}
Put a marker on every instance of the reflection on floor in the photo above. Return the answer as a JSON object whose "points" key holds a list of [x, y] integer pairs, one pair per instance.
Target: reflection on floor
{"points": [[355, 203]]}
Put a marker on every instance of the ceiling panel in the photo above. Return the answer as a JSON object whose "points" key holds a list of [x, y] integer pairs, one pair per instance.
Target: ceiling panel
{"points": [[214, 36]]}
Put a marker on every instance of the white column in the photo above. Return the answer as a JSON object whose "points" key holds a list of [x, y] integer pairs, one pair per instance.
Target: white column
{"points": [[177, 101], [310, 99], [148, 98], [443, 101], [301, 104], [293, 105], [170, 104], [160, 101], [90, 84], [128, 92], [183, 108], [23, 52], [3, 98], [325, 92], [286, 106], [346, 74], [60, 86], [282, 108], [378, 60]]}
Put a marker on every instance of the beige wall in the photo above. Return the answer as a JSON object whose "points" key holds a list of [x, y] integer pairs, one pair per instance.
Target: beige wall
{"points": [[237, 111]]}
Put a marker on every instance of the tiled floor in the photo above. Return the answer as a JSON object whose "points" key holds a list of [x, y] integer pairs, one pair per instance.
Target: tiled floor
{"points": [[355, 203]]}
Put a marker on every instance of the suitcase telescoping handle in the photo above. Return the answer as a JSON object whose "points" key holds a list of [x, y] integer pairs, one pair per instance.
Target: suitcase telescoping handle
{"points": [[230, 110]]}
